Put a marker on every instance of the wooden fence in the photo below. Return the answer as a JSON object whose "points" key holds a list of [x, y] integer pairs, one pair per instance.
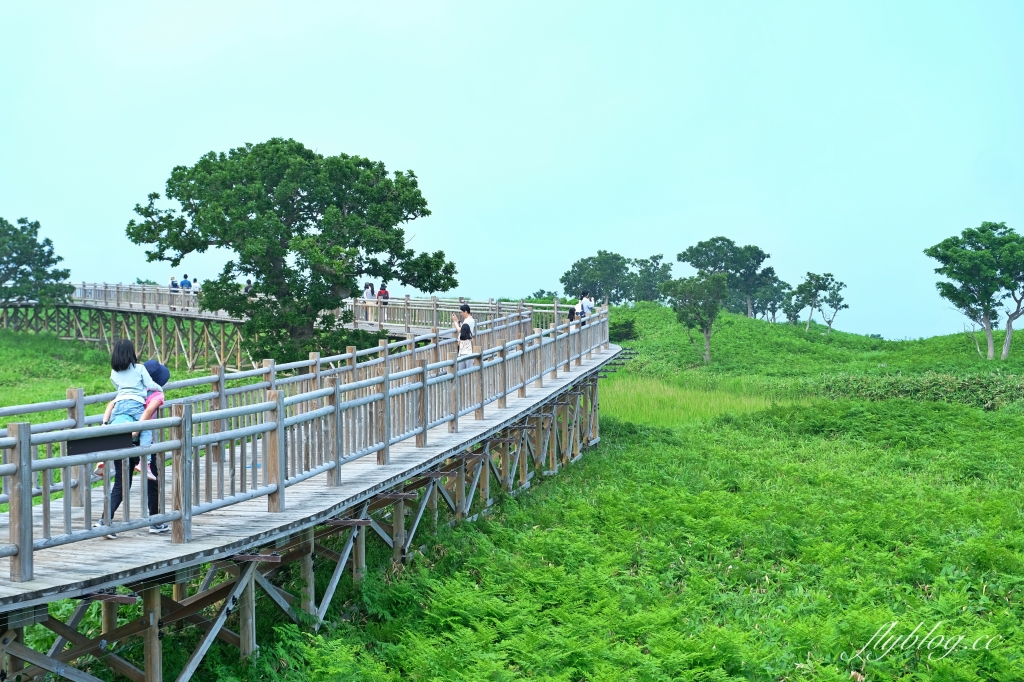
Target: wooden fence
{"points": [[257, 432]]}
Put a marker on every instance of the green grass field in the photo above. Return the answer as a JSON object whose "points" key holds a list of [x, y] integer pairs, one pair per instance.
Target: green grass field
{"points": [[745, 521]]}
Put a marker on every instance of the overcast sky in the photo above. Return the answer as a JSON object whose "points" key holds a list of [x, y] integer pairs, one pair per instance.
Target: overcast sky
{"points": [[839, 137]]}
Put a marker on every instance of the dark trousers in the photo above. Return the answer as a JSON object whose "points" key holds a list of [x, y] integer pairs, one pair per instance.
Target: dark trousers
{"points": [[152, 487]]}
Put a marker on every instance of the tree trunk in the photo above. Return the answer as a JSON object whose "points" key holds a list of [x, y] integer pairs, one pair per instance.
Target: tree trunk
{"points": [[988, 336], [1009, 335], [809, 315], [707, 346], [750, 307]]}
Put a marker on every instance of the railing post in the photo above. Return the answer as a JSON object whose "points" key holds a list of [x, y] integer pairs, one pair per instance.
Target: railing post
{"points": [[538, 355], [314, 369], [556, 311], [272, 374], [276, 454], [355, 312], [181, 475], [424, 412], [478, 361], [523, 373], [433, 307], [77, 412], [453, 394], [554, 350], [19, 491], [334, 431], [407, 313], [503, 376], [384, 419], [216, 450]]}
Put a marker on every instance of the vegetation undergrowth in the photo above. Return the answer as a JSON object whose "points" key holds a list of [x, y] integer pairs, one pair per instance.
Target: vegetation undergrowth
{"points": [[732, 524]]}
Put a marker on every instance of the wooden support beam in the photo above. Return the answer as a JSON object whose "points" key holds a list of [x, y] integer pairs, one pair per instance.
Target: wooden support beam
{"points": [[211, 634], [20, 652], [308, 603], [153, 647]]}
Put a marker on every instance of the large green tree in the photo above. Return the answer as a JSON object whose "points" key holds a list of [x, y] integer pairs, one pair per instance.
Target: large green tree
{"points": [[306, 228], [809, 292], [770, 296], [742, 265], [647, 277], [605, 275], [27, 266], [698, 301], [985, 266]]}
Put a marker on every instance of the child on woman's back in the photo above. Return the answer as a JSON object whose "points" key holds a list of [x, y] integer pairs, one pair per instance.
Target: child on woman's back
{"points": [[154, 400]]}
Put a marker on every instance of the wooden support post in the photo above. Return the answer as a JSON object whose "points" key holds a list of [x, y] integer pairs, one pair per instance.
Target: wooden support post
{"points": [[19, 489], [181, 474], [334, 433], [398, 528], [568, 347], [506, 466], [460, 490], [384, 413], [247, 620], [153, 647], [275, 454], [407, 314], [485, 478], [108, 616], [579, 344], [422, 407], [453, 393], [478, 361], [314, 369], [359, 554], [564, 409], [308, 596], [503, 377], [433, 317]]}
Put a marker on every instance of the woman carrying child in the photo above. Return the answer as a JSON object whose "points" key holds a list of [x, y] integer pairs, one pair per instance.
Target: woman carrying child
{"points": [[139, 396]]}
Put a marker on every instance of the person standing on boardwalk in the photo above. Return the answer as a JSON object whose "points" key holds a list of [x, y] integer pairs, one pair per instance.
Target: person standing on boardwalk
{"points": [[369, 295], [585, 306], [382, 300], [464, 322], [185, 282]]}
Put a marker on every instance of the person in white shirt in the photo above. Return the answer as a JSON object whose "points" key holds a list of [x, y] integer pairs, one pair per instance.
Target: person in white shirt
{"points": [[369, 295], [464, 322], [584, 307]]}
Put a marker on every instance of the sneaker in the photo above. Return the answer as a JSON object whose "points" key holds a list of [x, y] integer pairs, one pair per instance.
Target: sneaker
{"points": [[159, 528], [109, 536], [149, 472]]}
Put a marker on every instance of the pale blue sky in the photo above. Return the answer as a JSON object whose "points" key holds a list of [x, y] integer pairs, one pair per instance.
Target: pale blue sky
{"points": [[840, 137]]}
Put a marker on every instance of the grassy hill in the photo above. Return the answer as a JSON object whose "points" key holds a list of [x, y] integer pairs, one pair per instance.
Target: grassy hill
{"points": [[749, 520]]}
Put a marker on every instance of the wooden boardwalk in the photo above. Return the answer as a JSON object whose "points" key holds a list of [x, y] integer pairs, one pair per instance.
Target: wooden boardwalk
{"points": [[84, 567], [266, 464]]}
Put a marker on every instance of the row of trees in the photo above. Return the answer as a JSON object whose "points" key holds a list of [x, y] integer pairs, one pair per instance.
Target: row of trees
{"points": [[985, 269], [729, 277]]}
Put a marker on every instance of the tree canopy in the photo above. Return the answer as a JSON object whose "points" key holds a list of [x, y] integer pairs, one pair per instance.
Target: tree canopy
{"points": [[741, 264], [698, 302], [27, 266], [985, 266], [604, 276], [306, 228]]}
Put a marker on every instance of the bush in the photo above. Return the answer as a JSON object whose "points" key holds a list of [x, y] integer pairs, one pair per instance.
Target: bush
{"points": [[987, 391], [621, 330]]}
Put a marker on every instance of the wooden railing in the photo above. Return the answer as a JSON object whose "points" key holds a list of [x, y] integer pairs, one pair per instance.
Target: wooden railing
{"points": [[256, 433], [404, 312]]}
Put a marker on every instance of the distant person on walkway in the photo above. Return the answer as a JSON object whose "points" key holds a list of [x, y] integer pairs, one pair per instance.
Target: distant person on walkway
{"points": [[368, 295], [185, 282], [195, 285], [248, 287], [464, 322], [174, 283], [133, 383], [585, 307], [174, 290], [382, 299]]}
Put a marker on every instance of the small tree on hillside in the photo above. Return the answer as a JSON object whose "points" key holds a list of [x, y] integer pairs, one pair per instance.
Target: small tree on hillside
{"points": [[792, 307], [698, 303], [306, 228], [809, 292], [27, 272], [604, 276], [770, 295], [972, 262], [647, 277], [831, 301], [742, 264]]}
